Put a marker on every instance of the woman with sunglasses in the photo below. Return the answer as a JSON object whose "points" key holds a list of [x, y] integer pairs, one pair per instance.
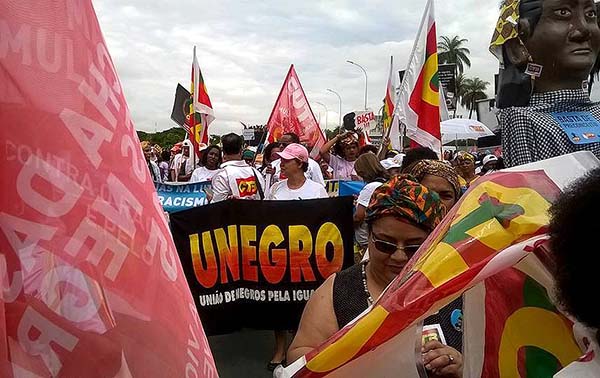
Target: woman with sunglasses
{"points": [[400, 216]]}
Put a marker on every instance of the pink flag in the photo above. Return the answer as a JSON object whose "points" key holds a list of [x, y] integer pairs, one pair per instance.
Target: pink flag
{"points": [[292, 114], [92, 284]]}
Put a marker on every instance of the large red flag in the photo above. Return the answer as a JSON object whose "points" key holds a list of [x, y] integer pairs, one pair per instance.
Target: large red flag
{"points": [[92, 285], [418, 104], [292, 113]]}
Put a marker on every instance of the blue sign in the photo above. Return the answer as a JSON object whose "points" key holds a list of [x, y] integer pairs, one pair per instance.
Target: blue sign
{"points": [[350, 188], [177, 197], [580, 127]]}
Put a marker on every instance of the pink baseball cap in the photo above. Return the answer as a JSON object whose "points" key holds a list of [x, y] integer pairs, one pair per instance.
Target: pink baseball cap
{"points": [[294, 151]]}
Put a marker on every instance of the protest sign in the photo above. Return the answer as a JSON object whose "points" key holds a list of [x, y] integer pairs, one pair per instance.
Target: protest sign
{"points": [[92, 286], [176, 197], [255, 263], [447, 77]]}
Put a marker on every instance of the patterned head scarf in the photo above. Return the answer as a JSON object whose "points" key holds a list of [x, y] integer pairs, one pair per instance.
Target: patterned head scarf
{"points": [[463, 155], [349, 138], [145, 145], [436, 168], [506, 28], [408, 201]]}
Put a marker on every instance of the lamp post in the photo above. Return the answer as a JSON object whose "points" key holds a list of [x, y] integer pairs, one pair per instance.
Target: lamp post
{"points": [[339, 98], [326, 111], [366, 79]]}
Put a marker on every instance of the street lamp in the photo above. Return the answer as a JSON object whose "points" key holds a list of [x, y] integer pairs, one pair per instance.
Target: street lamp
{"points": [[366, 79], [326, 111], [339, 98]]}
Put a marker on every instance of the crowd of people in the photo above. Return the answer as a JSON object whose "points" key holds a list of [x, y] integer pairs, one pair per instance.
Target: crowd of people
{"points": [[404, 197]]}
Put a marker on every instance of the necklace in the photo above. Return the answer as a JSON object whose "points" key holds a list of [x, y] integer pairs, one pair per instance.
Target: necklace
{"points": [[364, 279]]}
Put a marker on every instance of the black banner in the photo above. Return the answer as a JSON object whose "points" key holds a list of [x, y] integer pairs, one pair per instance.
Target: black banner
{"points": [[447, 76], [255, 263]]}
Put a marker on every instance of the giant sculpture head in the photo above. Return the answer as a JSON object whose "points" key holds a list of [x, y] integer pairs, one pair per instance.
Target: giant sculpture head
{"points": [[544, 45]]}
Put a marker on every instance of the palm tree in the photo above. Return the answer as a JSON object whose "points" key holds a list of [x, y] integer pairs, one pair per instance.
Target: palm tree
{"points": [[453, 51], [474, 89]]}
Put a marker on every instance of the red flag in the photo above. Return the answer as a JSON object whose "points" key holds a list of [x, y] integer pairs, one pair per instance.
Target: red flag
{"points": [[292, 113], [92, 283], [418, 104]]}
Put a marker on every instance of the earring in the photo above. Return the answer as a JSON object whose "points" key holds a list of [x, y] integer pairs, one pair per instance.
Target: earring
{"points": [[533, 70]]}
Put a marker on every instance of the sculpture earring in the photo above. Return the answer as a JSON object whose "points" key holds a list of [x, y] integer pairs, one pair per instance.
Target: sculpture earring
{"points": [[533, 70]]}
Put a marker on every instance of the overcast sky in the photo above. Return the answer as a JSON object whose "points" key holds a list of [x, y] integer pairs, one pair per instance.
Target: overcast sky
{"points": [[246, 47]]}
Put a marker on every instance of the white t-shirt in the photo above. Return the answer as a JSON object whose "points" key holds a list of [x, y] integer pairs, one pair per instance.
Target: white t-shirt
{"points": [[361, 233], [236, 179], [202, 174], [342, 168], [309, 190], [312, 173]]}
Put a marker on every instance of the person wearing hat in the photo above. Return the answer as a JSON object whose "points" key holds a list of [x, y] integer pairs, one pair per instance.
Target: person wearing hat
{"points": [[346, 151], [391, 166], [465, 165], [248, 157], [489, 164], [294, 163]]}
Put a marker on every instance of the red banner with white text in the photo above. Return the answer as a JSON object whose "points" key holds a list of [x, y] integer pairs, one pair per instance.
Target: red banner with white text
{"points": [[292, 114], [92, 286]]}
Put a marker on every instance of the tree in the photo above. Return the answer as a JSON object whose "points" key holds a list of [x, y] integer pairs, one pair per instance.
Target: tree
{"points": [[474, 89], [453, 51], [165, 139]]}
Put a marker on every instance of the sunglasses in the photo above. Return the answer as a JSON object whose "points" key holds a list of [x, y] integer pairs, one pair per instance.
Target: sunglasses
{"points": [[391, 248]]}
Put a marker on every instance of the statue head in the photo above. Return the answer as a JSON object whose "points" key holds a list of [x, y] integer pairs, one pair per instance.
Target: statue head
{"points": [[544, 45]]}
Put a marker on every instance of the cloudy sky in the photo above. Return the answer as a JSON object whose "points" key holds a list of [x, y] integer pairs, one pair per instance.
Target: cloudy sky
{"points": [[246, 47]]}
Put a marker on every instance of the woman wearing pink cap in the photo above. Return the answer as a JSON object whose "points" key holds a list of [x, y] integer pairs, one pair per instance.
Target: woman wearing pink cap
{"points": [[294, 162]]}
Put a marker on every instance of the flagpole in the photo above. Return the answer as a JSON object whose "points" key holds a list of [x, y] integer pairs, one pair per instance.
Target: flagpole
{"points": [[410, 59], [193, 112]]}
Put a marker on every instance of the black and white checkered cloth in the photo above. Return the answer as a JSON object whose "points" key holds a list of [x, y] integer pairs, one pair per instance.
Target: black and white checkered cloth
{"points": [[531, 133]]}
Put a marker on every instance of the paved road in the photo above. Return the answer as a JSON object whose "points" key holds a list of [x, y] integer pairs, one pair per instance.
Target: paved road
{"points": [[243, 354]]}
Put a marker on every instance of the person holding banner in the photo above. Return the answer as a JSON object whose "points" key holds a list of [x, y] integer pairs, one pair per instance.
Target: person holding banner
{"points": [[346, 152], [400, 216], [209, 164], [294, 164], [236, 179]]}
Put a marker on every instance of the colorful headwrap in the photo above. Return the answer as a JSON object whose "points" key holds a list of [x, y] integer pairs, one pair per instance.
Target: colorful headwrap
{"points": [[506, 28], [157, 149], [349, 138], [405, 199], [463, 155], [435, 168]]}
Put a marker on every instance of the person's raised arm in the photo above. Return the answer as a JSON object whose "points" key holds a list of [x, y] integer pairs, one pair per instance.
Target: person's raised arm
{"points": [[324, 150], [318, 322]]}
